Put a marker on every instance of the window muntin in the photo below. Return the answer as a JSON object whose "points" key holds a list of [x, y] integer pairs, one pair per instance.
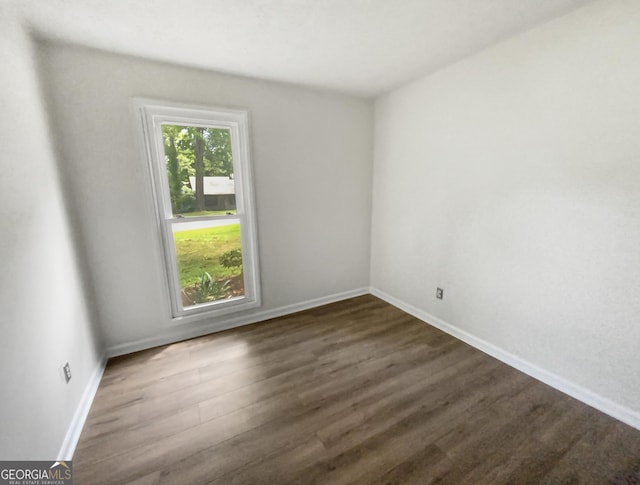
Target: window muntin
{"points": [[199, 160]]}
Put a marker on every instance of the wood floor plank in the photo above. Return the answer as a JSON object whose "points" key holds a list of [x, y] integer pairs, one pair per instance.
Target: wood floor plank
{"points": [[353, 392]]}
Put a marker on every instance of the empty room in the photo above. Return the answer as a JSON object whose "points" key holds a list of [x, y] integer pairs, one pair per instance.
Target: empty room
{"points": [[309, 241]]}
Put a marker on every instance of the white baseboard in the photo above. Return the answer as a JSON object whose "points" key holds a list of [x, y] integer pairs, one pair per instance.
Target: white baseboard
{"points": [[613, 409], [190, 331], [82, 411]]}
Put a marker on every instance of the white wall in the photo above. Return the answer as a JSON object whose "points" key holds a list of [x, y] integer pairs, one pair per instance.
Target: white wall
{"points": [[45, 321], [512, 180], [312, 156]]}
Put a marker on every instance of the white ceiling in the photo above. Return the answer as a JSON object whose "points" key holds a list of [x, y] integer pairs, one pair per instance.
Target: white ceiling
{"points": [[363, 47]]}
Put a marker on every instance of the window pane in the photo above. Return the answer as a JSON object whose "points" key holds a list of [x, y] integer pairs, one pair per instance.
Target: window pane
{"points": [[209, 259], [199, 165]]}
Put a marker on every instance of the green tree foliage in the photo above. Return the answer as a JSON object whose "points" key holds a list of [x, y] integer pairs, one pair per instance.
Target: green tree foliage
{"points": [[218, 157], [194, 152], [170, 133]]}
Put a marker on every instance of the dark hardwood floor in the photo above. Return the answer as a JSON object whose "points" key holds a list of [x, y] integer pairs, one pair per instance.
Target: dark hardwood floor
{"points": [[352, 392]]}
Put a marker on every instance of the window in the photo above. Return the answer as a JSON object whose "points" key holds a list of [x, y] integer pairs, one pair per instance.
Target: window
{"points": [[201, 178]]}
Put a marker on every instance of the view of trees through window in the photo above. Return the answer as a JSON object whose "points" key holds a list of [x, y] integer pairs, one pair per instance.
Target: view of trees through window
{"points": [[199, 162]]}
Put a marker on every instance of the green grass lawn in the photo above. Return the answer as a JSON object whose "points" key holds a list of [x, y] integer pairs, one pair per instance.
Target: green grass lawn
{"points": [[199, 250]]}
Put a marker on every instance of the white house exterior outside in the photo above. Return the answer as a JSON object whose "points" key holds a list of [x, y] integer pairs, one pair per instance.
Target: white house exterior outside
{"points": [[219, 192]]}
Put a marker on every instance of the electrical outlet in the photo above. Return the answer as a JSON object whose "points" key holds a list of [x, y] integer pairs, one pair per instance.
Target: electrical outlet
{"points": [[67, 372], [439, 293]]}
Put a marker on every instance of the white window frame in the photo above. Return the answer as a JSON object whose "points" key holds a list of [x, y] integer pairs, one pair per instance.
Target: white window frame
{"points": [[154, 114]]}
